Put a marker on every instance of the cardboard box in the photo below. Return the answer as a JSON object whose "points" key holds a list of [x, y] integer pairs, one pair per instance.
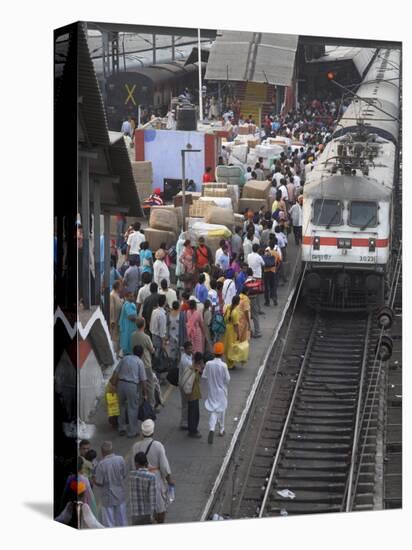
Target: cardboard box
{"points": [[157, 236], [178, 210], [200, 208], [254, 189], [252, 204], [164, 218]]}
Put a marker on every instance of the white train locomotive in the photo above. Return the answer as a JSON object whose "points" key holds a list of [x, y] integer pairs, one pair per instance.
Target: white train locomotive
{"points": [[347, 207]]}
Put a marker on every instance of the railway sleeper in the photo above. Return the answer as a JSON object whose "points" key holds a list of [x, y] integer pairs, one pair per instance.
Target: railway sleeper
{"points": [[329, 430], [309, 485], [300, 508], [290, 454], [311, 475], [307, 464], [326, 399], [316, 446], [310, 496], [322, 438], [327, 421]]}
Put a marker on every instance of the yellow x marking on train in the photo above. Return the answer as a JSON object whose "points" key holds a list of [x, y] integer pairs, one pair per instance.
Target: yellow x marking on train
{"points": [[130, 94]]}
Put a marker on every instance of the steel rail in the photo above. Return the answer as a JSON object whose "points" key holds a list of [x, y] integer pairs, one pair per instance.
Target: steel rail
{"points": [[358, 425], [376, 367], [287, 421]]}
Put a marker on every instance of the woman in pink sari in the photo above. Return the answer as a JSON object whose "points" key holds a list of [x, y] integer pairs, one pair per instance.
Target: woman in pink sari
{"points": [[195, 328], [186, 259]]}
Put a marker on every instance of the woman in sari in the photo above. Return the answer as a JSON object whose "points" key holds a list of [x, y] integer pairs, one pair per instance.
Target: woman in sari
{"points": [[188, 267], [195, 327], [244, 316], [116, 304], [127, 323], [231, 316]]}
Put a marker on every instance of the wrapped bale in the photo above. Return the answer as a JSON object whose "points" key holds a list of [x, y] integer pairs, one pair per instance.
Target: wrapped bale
{"points": [[178, 210], [220, 216], [235, 161], [190, 197], [199, 228], [232, 175], [200, 208], [234, 194], [164, 218], [252, 204], [223, 202], [218, 190], [268, 151], [157, 236], [240, 152], [254, 189]]}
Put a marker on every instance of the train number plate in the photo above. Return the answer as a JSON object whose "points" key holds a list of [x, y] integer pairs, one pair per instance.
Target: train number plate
{"points": [[367, 259]]}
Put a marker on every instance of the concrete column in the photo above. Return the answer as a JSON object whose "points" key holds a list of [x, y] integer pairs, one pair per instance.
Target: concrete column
{"points": [[106, 275], [84, 276], [96, 231]]}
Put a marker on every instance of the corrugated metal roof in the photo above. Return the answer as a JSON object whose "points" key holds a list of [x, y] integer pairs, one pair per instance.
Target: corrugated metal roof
{"points": [[96, 131], [361, 57], [91, 108], [256, 57]]}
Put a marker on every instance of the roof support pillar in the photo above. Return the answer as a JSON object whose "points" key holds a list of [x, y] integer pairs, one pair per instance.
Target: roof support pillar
{"points": [[84, 276], [106, 275], [96, 235]]}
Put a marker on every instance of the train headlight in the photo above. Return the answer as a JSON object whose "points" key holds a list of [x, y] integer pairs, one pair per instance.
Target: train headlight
{"points": [[316, 243], [344, 243], [372, 245]]}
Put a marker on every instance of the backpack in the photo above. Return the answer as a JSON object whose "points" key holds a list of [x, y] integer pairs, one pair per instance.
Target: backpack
{"points": [[270, 260], [172, 254], [218, 325]]}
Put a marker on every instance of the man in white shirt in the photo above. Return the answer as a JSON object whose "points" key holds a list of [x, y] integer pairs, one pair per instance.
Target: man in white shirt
{"points": [[283, 189], [144, 291], [186, 361], [248, 243], [217, 375], [133, 243], [229, 287], [168, 292], [255, 262], [158, 325]]}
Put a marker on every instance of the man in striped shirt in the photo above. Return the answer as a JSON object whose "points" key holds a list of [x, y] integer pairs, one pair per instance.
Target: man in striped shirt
{"points": [[142, 492]]}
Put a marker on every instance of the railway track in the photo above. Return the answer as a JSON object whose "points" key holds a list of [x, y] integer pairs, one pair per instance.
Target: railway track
{"points": [[316, 458], [311, 443]]}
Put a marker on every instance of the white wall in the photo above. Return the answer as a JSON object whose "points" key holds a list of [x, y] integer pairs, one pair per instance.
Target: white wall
{"points": [[163, 147]]}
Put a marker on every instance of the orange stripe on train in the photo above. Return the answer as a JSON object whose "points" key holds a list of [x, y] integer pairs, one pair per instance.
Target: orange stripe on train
{"points": [[333, 241]]}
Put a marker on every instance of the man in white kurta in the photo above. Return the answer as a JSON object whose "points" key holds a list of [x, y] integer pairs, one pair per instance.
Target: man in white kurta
{"points": [[217, 375]]}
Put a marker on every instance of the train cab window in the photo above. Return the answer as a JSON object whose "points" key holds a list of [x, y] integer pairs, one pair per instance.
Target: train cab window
{"points": [[327, 212], [363, 214]]}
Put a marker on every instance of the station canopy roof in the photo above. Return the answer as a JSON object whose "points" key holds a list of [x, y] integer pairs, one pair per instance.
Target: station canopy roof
{"points": [[361, 57], [252, 56]]}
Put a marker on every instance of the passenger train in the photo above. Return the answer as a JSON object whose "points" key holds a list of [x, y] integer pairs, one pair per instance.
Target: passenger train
{"points": [[148, 87], [347, 208]]}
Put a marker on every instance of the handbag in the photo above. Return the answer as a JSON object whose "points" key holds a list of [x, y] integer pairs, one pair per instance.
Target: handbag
{"points": [[239, 352], [254, 287], [188, 381], [173, 376], [160, 361], [146, 411]]}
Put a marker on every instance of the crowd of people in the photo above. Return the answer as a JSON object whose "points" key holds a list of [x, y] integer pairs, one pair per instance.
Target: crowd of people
{"points": [[187, 314]]}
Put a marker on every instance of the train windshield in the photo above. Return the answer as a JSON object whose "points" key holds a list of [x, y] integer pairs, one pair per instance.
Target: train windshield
{"points": [[327, 212], [363, 214]]}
